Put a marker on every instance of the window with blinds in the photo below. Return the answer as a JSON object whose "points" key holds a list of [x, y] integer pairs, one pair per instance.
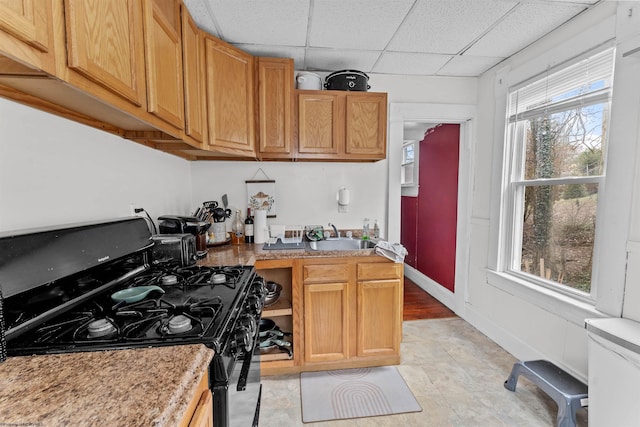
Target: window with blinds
{"points": [[556, 146]]}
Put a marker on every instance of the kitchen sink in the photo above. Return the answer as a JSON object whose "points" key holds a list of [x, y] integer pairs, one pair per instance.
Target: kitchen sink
{"points": [[341, 245]]}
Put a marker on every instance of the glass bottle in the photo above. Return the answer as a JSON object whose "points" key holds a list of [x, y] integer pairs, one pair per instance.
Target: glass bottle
{"points": [[376, 229], [248, 227], [237, 227]]}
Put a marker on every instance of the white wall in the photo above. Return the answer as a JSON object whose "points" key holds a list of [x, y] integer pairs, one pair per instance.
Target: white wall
{"points": [[54, 171], [528, 323]]}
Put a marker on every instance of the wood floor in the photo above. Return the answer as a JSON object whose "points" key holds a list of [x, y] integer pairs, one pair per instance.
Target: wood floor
{"points": [[418, 304]]}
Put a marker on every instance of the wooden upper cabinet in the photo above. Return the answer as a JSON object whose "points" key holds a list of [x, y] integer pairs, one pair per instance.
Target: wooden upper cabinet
{"points": [[193, 62], [230, 98], [366, 125], [29, 21], [104, 43], [320, 120], [163, 54], [26, 37], [275, 107], [337, 125]]}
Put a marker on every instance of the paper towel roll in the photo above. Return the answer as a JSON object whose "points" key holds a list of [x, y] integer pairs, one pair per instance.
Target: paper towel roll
{"points": [[343, 196], [259, 225]]}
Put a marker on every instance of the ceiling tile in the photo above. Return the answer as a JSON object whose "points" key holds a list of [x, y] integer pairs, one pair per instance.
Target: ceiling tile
{"points": [[357, 24], [297, 53], [468, 66], [339, 59], [444, 26], [269, 22], [526, 24], [200, 14], [410, 63]]}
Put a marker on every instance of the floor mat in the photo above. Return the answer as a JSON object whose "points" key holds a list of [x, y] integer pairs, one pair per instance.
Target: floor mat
{"points": [[355, 393]]}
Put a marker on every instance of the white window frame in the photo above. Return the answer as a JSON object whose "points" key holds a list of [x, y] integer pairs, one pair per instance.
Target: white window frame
{"points": [[513, 191], [405, 163]]}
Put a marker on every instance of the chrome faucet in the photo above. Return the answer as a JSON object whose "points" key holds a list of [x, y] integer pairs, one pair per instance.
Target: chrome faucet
{"points": [[335, 230]]}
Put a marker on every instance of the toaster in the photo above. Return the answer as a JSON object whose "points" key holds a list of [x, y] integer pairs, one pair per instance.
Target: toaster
{"points": [[181, 247]]}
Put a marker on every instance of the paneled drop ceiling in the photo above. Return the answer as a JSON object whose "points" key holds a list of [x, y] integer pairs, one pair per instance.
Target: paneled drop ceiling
{"points": [[405, 37]]}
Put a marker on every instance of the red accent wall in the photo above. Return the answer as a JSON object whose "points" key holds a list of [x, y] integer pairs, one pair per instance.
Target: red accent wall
{"points": [[438, 204], [408, 227], [429, 221]]}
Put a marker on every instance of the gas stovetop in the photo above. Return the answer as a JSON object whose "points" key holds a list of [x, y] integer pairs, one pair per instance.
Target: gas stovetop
{"points": [[62, 291], [186, 305]]}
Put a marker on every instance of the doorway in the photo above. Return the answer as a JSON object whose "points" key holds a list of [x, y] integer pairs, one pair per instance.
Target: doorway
{"points": [[464, 116], [429, 215]]}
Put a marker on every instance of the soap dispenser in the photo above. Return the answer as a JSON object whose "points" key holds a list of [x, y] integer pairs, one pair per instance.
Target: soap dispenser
{"points": [[365, 229], [376, 229]]}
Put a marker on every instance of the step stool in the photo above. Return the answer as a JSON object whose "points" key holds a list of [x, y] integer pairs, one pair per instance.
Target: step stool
{"points": [[569, 393]]}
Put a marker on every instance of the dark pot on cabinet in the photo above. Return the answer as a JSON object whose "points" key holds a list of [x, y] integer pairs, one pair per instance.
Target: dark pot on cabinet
{"points": [[352, 80]]}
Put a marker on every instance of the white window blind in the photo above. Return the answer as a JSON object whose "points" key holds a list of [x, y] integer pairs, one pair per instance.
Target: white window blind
{"points": [[587, 79]]}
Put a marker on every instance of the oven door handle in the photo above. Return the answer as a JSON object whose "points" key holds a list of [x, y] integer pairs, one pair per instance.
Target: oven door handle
{"points": [[246, 365]]}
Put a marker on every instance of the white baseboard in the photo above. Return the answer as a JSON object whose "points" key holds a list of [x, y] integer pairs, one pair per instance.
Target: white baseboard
{"points": [[436, 290]]}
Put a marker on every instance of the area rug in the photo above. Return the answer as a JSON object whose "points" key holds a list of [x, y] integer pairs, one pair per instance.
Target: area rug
{"points": [[355, 393]]}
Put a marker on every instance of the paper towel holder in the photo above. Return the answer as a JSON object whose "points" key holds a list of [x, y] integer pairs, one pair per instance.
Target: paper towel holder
{"points": [[343, 198]]}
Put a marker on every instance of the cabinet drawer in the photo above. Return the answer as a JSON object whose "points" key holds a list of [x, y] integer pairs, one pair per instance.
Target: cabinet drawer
{"points": [[325, 272], [379, 271]]}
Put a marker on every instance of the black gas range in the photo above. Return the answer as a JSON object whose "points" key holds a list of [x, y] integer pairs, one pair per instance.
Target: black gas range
{"points": [[96, 286]]}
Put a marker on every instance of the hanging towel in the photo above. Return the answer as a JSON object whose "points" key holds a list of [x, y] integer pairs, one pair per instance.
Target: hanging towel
{"points": [[394, 251]]}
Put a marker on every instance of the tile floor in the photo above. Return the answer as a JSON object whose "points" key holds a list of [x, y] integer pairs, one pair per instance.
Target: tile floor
{"points": [[455, 372]]}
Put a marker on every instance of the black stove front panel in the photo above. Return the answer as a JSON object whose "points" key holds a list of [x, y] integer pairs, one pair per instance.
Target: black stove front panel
{"points": [[190, 305]]}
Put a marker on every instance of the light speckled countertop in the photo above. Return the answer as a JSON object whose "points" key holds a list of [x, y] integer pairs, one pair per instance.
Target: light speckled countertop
{"points": [[140, 387]]}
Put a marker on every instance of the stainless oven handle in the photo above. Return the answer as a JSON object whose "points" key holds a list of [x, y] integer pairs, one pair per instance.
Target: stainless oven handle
{"points": [[246, 365]]}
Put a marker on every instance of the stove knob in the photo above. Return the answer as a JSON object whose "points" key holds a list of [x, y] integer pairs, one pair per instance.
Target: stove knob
{"points": [[242, 342], [254, 304], [249, 323]]}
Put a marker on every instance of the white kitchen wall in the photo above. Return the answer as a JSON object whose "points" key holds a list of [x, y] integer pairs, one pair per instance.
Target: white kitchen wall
{"points": [[54, 171], [533, 325], [305, 191]]}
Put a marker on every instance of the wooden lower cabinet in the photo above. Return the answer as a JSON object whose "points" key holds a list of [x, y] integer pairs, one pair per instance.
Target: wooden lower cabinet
{"points": [[343, 312], [352, 312], [379, 319], [199, 412], [326, 322]]}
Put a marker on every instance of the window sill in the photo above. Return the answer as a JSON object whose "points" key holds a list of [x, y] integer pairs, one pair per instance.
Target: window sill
{"points": [[561, 305]]}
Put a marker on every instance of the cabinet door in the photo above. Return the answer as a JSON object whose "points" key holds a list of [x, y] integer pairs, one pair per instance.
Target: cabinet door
{"points": [[320, 124], [326, 322], [163, 52], [28, 21], [229, 97], [379, 317], [203, 415], [366, 125], [194, 78], [104, 43], [275, 107]]}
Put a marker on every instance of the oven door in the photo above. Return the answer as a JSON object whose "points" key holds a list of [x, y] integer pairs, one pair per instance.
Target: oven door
{"points": [[245, 389]]}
